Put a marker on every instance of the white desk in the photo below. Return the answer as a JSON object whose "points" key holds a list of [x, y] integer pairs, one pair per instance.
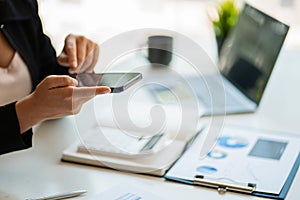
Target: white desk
{"points": [[39, 171]]}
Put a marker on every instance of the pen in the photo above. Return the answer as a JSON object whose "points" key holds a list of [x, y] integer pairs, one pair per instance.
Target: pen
{"points": [[61, 196]]}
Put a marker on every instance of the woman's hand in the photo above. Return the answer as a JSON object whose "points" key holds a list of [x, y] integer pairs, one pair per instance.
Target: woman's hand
{"points": [[79, 53], [54, 97]]}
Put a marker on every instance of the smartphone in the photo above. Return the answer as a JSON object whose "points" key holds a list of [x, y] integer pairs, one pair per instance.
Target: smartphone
{"points": [[117, 82]]}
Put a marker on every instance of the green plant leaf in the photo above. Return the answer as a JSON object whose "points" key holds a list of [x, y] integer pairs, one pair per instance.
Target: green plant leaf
{"points": [[227, 17]]}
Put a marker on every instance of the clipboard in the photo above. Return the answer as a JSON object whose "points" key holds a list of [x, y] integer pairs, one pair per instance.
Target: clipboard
{"points": [[249, 189], [185, 170]]}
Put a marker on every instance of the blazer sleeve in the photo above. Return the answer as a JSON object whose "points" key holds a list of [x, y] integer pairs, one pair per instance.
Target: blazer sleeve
{"points": [[10, 137]]}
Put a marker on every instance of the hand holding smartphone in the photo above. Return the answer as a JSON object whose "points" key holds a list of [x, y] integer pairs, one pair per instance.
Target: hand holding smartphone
{"points": [[117, 82]]}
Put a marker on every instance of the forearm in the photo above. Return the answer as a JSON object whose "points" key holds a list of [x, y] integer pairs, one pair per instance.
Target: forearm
{"points": [[27, 113]]}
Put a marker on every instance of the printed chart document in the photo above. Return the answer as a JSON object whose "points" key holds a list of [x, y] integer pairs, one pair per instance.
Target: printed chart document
{"points": [[263, 159]]}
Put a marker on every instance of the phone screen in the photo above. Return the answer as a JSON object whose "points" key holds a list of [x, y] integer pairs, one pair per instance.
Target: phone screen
{"points": [[116, 81]]}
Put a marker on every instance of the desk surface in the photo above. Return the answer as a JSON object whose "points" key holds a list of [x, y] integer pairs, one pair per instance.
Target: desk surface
{"points": [[39, 171]]}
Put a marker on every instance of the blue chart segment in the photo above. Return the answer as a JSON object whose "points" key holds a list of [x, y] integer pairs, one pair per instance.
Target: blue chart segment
{"points": [[206, 169], [216, 154], [232, 142]]}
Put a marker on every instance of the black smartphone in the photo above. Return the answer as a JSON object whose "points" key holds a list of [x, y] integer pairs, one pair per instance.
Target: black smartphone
{"points": [[117, 81]]}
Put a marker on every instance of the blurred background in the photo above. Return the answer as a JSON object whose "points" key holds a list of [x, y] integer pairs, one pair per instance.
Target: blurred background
{"points": [[102, 19]]}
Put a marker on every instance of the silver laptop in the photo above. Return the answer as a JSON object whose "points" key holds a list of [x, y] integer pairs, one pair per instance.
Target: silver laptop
{"points": [[246, 61]]}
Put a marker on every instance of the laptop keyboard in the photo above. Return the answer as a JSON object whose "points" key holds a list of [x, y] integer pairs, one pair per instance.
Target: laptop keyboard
{"points": [[202, 92], [227, 100]]}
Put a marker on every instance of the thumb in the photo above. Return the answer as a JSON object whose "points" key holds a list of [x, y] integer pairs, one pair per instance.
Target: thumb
{"points": [[54, 81], [102, 90]]}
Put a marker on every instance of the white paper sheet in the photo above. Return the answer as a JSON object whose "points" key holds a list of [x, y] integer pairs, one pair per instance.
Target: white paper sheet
{"points": [[242, 156], [125, 192]]}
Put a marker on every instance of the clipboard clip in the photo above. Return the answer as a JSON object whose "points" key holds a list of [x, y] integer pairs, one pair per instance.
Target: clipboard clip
{"points": [[224, 187]]}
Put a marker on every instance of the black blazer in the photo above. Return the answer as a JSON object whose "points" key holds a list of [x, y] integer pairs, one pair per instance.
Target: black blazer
{"points": [[21, 25]]}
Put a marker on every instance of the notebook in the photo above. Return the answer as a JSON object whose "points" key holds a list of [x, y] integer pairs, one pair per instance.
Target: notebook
{"points": [[112, 148], [129, 131]]}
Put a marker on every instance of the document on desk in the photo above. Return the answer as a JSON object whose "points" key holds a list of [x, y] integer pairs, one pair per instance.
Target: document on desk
{"points": [[144, 138], [243, 157], [125, 192], [116, 150]]}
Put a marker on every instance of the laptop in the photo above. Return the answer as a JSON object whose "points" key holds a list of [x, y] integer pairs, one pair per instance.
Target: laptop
{"points": [[246, 61]]}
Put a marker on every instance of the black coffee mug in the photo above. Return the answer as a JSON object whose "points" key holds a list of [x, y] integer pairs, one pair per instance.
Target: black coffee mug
{"points": [[160, 49]]}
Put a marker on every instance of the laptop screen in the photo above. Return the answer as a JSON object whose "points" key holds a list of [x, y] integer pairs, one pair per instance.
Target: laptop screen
{"points": [[250, 51]]}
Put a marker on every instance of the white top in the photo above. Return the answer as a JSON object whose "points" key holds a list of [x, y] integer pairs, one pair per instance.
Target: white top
{"points": [[15, 81]]}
